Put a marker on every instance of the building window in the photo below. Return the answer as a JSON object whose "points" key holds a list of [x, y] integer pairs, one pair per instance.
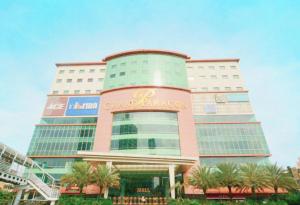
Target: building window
{"points": [[122, 73], [79, 80], [222, 67], [202, 76], [145, 62], [61, 71], [81, 71], [112, 75], [213, 77], [204, 89], [225, 76], [200, 67], [90, 80], [92, 70], [133, 71], [227, 88], [236, 76], [69, 80], [123, 64], [87, 91], [114, 66], [100, 79], [66, 92], [239, 88], [102, 70], [76, 91], [58, 80], [71, 71], [233, 67], [55, 92], [211, 67], [216, 88]]}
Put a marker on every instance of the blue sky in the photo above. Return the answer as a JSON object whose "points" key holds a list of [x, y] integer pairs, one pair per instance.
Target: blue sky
{"points": [[265, 35]]}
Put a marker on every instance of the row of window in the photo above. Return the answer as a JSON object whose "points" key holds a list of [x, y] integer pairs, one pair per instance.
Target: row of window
{"points": [[224, 118], [215, 77], [236, 160], [58, 148], [218, 89], [125, 116], [200, 67], [79, 80], [55, 92], [64, 132], [150, 143], [144, 129], [102, 70], [233, 147], [69, 120], [120, 74], [54, 163]]}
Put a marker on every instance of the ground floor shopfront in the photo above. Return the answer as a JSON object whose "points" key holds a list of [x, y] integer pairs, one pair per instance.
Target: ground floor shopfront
{"points": [[143, 175]]}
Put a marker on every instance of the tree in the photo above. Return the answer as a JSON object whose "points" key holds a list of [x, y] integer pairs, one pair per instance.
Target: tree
{"points": [[203, 178], [81, 174], [279, 178], [253, 177], [228, 176], [179, 189], [105, 177]]}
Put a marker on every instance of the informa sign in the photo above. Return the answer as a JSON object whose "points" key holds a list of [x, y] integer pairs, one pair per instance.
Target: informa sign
{"points": [[72, 106], [79, 106], [55, 106]]}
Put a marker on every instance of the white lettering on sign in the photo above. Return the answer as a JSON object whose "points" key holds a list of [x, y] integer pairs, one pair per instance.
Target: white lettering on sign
{"points": [[83, 106], [58, 106]]}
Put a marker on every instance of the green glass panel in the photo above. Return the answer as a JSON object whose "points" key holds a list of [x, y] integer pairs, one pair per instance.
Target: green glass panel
{"points": [[218, 139], [146, 69], [61, 140], [146, 137], [237, 160]]}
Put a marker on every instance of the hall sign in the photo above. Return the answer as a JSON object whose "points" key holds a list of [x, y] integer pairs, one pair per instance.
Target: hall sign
{"points": [[72, 106], [145, 99]]}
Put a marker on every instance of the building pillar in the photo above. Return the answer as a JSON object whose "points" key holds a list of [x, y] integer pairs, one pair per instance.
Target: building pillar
{"points": [[109, 165], [172, 180], [18, 197], [52, 203]]}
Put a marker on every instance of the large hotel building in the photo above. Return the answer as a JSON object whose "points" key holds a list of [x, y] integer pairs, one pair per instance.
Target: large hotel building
{"points": [[152, 114]]}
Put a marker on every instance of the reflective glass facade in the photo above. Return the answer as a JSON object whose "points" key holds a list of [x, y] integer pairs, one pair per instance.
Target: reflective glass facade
{"points": [[146, 69], [62, 139], [238, 160], [222, 139], [145, 133]]}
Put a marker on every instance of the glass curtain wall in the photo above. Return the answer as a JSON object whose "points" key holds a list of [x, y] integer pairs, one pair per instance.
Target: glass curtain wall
{"points": [[154, 133]]}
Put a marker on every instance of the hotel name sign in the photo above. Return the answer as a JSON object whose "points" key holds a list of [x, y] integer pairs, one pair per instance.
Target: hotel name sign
{"points": [[145, 99]]}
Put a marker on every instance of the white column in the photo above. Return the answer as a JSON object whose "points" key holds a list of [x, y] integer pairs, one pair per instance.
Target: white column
{"points": [[109, 165], [18, 197], [172, 180], [52, 203]]}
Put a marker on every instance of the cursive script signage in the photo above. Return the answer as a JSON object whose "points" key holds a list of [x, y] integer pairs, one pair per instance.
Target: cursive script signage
{"points": [[146, 99]]}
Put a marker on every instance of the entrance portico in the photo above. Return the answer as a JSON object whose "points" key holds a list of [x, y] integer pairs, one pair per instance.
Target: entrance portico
{"points": [[157, 170]]}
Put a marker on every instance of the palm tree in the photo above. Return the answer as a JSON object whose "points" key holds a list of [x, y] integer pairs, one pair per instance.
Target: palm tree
{"points": [[228, 176], [279, 178], [81, 173], [253, 177], [105, 177], [179, 188], [203, 178]]}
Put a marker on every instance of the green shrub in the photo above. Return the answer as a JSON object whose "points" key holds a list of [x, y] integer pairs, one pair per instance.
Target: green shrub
{"points": [[6, 196], [75, 200]]}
